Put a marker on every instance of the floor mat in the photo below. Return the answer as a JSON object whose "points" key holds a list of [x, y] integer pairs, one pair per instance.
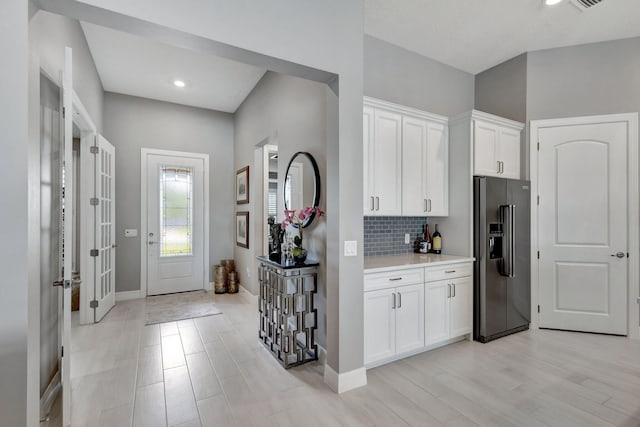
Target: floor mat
{"points": [[180, 306]]}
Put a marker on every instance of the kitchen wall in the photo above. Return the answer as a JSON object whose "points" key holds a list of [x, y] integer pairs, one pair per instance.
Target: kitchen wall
{"points": [[131, 123], [291, 113], [394, 74], [502, 90]]}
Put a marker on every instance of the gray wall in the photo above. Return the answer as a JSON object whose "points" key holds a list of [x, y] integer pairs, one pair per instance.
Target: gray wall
{"points": [[398, 75], [14, 254], [132, 123], [599, 78], [55, 32], [502, 90], [292, 112]]}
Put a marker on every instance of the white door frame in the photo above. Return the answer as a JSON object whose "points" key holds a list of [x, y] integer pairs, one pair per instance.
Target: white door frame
{"points": [[633, 230], [144, 152], [88, 130]]}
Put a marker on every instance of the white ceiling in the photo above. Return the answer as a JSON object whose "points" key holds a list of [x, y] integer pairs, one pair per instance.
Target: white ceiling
{"points": [[474, 35], [142, 67]]}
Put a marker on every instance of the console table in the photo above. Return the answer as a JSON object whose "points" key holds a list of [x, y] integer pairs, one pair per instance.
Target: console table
{"points": [[288, 318]]}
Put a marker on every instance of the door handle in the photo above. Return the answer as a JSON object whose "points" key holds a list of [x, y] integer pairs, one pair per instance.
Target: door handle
{"points": [[395, 279], [429, 202], [453, 286], [399, 300], [372, 204], [498, 161], [508, 218], [151, 242], [394, 301], [618, 255], [501, 167], [425, 205], [377, 203], [448, 290], [66, 284]]}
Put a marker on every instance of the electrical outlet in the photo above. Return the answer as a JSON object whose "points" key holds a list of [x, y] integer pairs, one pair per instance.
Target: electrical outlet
{"points": [[407, 239], [350, 248], [248, 272]]}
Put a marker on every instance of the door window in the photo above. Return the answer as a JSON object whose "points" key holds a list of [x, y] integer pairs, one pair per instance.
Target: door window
{"points": [[176, 211]]}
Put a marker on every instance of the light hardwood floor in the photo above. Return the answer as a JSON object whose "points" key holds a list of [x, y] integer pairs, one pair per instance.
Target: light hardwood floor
{"points": [[213, 371]]}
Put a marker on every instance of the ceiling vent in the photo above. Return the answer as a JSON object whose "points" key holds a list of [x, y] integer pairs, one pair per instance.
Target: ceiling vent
{"points": [[586, 4]]}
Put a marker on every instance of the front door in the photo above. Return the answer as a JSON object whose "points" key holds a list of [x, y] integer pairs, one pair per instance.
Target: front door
{"points": [[582, 178], [175, 223]]}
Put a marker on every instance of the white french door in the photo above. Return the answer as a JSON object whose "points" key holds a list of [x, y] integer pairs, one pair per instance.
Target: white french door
{"points": [[175, 222], [105, 234], [583, 226]]}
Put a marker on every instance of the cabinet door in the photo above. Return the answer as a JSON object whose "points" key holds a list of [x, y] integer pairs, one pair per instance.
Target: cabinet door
{"points": [[485, 149], [436, 312], [379, 325], [510, 153], [387, 163], [437, 170], [367, 156], [414, 166], [462, 306], [409, 318]]}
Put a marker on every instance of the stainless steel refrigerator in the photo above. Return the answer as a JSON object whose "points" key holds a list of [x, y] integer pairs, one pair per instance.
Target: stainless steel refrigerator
{"points": [[502, 279]]}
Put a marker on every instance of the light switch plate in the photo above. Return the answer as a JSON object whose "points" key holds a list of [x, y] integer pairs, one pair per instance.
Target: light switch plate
{"points": [[131, 232], [350, 248], [407, 239]]}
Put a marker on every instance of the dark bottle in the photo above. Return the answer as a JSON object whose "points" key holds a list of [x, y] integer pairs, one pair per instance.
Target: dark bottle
{"points": [[416, 243], [437, 241], [427, 237]]}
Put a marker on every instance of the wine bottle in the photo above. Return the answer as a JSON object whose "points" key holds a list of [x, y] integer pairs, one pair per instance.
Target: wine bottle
{"points": [[427, 237], [437, 241]]}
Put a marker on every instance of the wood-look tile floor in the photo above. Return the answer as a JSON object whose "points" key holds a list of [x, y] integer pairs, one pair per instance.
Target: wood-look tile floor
{"points": [[213, 371]]}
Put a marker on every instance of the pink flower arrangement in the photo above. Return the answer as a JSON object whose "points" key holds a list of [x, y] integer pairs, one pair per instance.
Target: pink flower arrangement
{"points": [[297, 219]]}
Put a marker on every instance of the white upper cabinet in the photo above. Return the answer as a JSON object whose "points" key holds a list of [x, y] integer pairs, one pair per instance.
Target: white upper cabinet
{"points": [[383, 150], [415, 183], [496, 145]]}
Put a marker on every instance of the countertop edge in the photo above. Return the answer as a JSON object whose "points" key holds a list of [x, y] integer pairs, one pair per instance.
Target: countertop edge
{"points": [[461, 260]]}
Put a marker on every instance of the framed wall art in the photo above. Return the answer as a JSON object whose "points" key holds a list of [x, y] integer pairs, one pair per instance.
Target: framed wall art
{"points": [[242, 185], [242, 229]]}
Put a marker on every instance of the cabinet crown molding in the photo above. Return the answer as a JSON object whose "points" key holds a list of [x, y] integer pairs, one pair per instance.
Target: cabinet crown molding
{"points": [[487, 117], [403, 109]]}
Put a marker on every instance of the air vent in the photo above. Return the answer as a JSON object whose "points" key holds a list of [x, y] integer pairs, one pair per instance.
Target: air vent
{"points": [[586, 4]]}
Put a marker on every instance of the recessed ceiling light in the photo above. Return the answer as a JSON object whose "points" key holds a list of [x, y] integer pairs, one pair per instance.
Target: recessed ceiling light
{"points": [[551, 2], [179, 83]]}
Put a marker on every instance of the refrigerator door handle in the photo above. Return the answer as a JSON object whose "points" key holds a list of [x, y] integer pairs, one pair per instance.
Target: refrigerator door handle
{"points": [[508, 217]]}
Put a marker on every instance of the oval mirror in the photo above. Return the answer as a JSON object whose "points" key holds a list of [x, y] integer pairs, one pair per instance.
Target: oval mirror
{"points": [[302, 184]]}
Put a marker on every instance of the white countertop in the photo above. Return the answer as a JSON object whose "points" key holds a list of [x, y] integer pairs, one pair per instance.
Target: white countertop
{"points": [[376, 264]]}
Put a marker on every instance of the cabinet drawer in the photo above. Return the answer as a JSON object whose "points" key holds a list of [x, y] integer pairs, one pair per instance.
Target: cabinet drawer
{"points": [[392, 279], [444, 272]]}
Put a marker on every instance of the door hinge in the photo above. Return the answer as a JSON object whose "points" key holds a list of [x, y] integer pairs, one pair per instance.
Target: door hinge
{"points": [[538, 200], [538, 254], [94, 252], [94, 201], [538, 308], [94, 149], [93, 303], [538, 145], [61, 351], [64, 112]]}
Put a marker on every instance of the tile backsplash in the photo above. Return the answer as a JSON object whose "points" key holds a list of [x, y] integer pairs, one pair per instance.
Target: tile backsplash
{"points": [[384, 235]]}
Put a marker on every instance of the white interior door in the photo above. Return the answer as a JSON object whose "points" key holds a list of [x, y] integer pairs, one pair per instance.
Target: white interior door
{"points": [[582, 177], [175, 223], [67, 235], [105, 243]]}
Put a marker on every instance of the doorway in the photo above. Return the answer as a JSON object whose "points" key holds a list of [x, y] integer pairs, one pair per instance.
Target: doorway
{"points": [[175, 221], [585, 175]]}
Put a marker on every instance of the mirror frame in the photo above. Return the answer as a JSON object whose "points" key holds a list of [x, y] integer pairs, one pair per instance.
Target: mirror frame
{"points": [[316, 196]]}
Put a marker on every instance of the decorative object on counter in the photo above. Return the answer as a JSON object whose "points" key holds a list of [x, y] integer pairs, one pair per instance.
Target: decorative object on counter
{"points": [[233, 284], [277, 238], [242, 185], [219, 279], [302, 184], [288, 317], [437, 241], [297, 220], [242, 229], [427, 239]]}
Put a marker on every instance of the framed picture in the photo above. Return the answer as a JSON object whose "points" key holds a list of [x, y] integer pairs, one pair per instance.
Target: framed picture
{"points": [[242, 229], [242, 185]]}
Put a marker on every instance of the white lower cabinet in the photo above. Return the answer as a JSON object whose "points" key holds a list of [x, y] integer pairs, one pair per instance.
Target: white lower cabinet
{"points": [[394, 322], [448, 309], [408, 318]]}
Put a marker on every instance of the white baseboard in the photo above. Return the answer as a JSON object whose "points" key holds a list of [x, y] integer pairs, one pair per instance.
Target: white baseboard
{"points": [[49, 395], [322, 355], [346, 381], [127, 295]]}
